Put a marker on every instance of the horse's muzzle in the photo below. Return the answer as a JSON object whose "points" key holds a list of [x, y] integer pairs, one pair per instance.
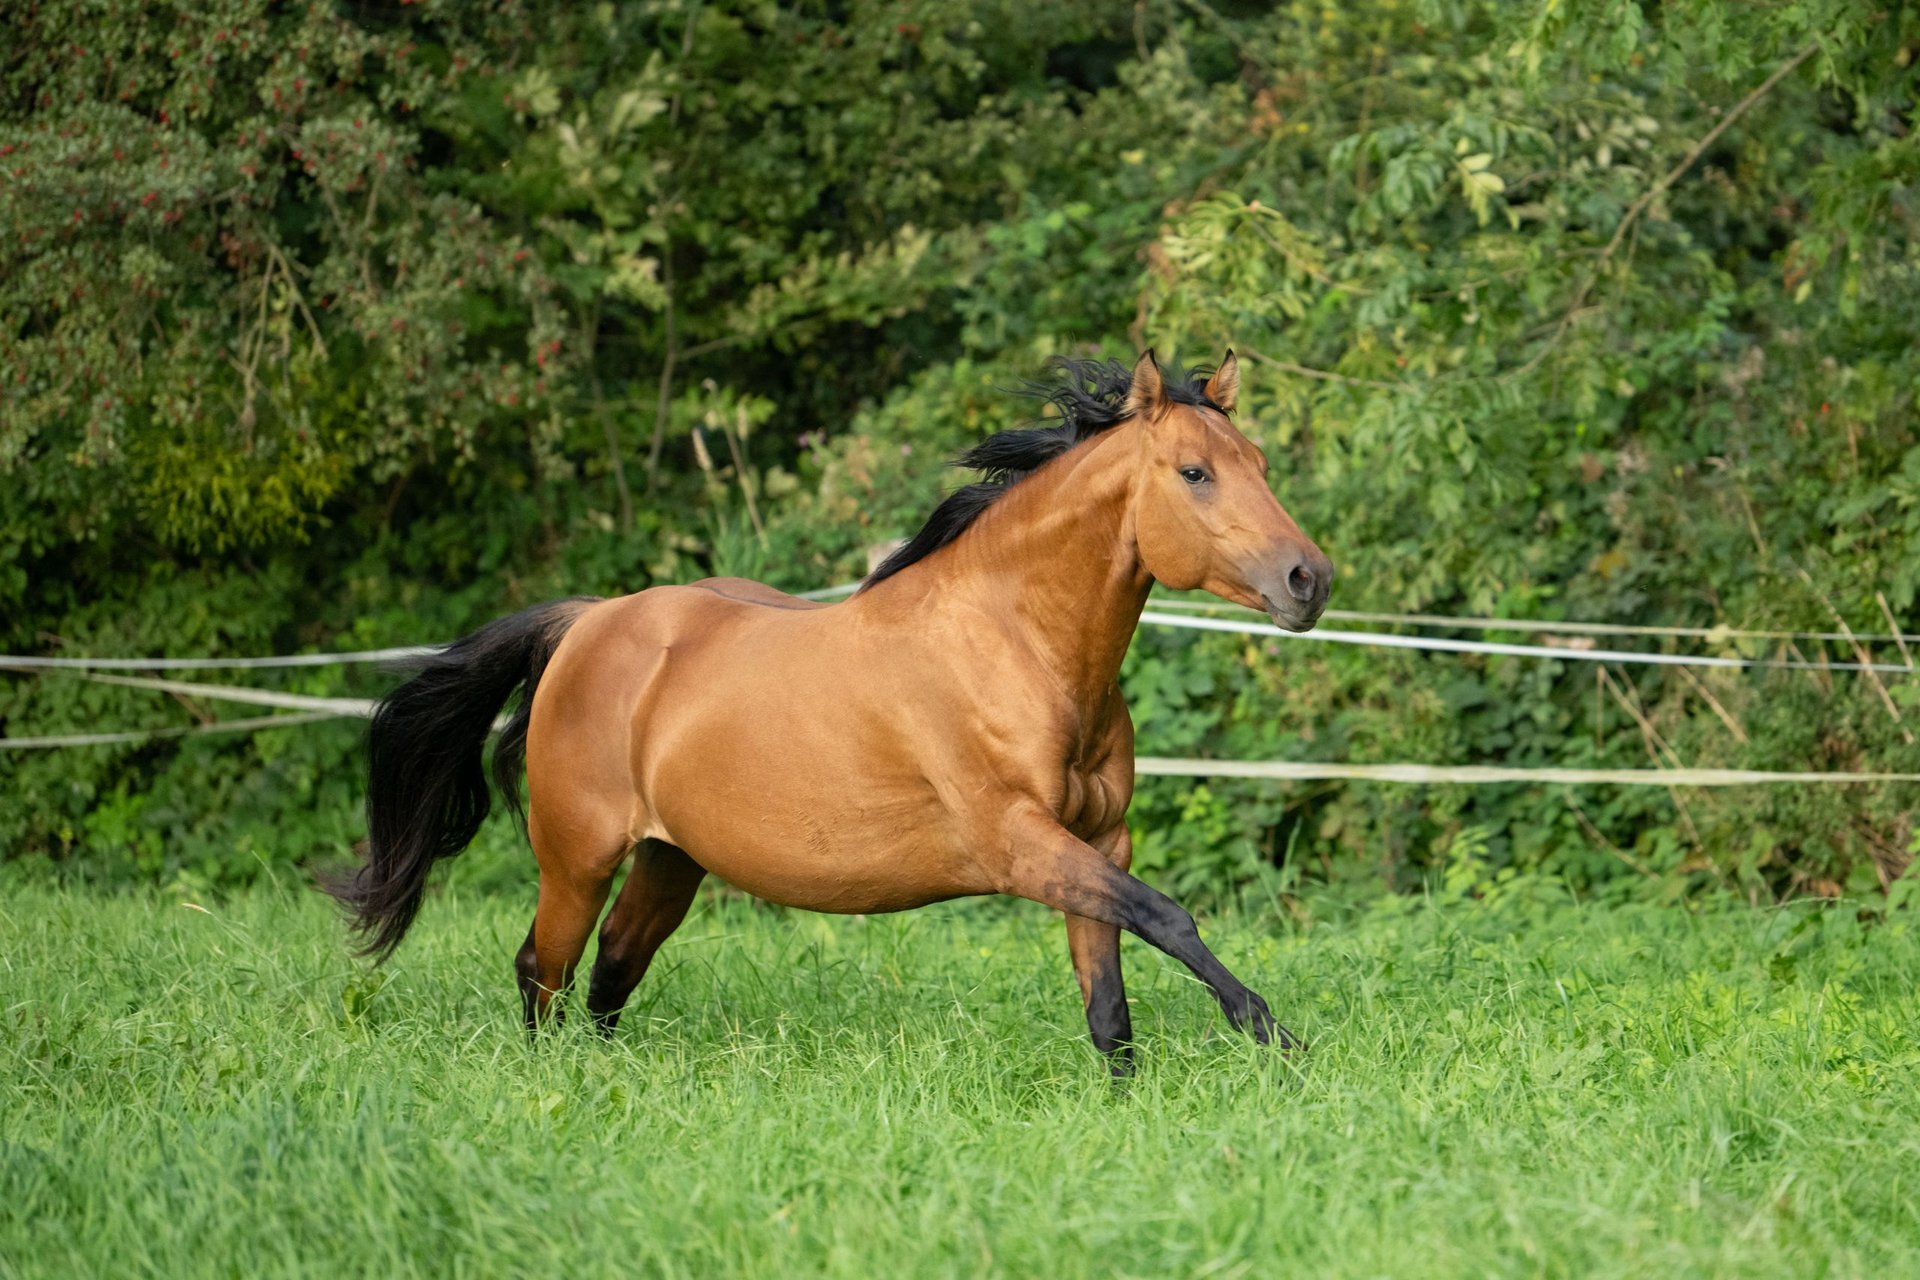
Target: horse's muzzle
{"points": [[1298, 599]]}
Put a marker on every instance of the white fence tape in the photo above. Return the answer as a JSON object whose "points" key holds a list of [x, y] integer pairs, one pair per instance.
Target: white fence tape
{"points": [[1458, 623], [1380, 640], [1453, 623], [219, 664], [246, 725], [362, 707], [1473, 774]]}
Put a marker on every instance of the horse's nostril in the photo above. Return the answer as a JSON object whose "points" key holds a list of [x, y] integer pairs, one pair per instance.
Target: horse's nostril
{"points": [[1300, 583]]}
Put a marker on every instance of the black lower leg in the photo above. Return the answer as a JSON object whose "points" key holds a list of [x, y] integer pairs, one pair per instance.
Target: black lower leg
{"points": [[609, 986], [1095, 947], [526, 968], [1161, 921], [535, 1011], [1064, 872], [1109, 1021]]}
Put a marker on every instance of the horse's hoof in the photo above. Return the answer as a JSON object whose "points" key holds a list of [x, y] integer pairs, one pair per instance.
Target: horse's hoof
{"points": [[1250, 1013], [1254, 1016]]}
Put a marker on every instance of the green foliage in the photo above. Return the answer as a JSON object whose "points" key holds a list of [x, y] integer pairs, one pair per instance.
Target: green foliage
{"points": [[231, 289], [325, 330]]}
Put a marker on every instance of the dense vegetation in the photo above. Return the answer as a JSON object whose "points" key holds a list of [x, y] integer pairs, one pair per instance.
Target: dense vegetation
{"points": [[1517, 1088], [340, 325]]}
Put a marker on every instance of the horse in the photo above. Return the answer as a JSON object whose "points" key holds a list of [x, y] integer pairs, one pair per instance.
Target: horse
{"points": [[953, 728]]}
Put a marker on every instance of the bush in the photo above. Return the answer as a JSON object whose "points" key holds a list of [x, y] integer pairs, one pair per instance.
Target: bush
{"points": [[1591, 312]]}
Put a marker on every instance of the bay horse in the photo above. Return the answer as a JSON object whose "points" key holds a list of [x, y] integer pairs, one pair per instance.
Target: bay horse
{"points": [[953, 728]]}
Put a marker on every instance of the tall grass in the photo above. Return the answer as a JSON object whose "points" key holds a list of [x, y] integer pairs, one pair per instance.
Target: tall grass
{"points": [[1510, 1090]]}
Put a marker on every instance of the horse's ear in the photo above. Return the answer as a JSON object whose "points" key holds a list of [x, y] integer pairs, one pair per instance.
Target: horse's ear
{"points": [[1223, 388], [1146, 395]]}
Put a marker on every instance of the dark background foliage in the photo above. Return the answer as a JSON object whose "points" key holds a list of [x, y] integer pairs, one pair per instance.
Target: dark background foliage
{"points": [[350, 325]]}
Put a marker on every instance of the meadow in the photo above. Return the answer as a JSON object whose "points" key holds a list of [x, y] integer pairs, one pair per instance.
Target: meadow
{"points": [[1522, 1086]]}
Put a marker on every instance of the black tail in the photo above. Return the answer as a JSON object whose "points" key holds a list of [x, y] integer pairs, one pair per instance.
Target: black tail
{"points": [[426, 790]]}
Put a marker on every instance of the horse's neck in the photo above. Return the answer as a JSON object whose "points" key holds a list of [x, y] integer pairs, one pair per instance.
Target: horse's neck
{"points": [[1059, 553]]}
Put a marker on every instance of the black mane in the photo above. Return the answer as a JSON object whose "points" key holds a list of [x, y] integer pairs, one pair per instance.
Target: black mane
{"points": [[1090, 397]]}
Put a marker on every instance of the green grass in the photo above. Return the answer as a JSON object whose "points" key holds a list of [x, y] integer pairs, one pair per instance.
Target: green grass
{"points": [[1522, 1089]]}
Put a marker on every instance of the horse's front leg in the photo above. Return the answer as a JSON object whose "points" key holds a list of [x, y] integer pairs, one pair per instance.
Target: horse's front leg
{"points": [[1095, 947], [1048, 864]]}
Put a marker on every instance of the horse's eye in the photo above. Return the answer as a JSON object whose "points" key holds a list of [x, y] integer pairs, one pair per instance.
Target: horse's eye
{"points": [[1194, 475]]}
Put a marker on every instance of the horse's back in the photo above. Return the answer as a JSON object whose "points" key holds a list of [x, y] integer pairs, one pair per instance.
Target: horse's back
{"points": [[614, 654]]}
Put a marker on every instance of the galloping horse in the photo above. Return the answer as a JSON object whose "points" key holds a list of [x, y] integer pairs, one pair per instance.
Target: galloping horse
{"points": [[954, 728]]}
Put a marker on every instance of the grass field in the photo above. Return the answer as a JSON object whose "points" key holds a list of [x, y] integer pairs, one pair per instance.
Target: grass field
{"points": [[1516, 1090]]}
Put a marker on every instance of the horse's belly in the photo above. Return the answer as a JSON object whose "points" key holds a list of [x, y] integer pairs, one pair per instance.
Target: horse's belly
{"points": [[808, 822], [841, 885], [797, 860]]}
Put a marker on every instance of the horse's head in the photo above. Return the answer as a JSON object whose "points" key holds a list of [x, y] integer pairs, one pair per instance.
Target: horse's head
{"points": [[1203, 514]]}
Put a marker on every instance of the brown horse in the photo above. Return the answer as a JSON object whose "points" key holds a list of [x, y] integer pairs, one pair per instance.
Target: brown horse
{"points": [[954, 728]]}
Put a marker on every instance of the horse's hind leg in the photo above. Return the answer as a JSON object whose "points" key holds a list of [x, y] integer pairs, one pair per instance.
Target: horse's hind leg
{"points": [[577, 861], [651, 906]]}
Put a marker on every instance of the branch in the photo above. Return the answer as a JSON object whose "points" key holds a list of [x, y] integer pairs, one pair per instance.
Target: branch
{"points": [[1860, 652], [664, 399], [1325, 375], [590, 331], [299, 298], [720, 344]]}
